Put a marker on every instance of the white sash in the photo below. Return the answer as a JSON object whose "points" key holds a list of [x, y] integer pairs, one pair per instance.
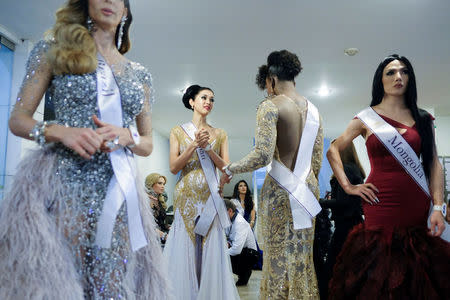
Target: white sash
{"points": [[215, 204], [396, 145], [122, 186], [304, 205]]}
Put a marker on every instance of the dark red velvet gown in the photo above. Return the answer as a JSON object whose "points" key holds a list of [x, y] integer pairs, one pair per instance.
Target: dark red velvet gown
{"points": [[391, 255]]}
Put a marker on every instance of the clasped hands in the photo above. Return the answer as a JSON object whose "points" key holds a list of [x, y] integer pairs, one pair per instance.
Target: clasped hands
{"points": [[201, 138], [87, 141]]}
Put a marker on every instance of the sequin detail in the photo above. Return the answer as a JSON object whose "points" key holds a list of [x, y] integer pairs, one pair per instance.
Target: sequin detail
{"points": [[288, 270], [192, 191], [74, 98]]}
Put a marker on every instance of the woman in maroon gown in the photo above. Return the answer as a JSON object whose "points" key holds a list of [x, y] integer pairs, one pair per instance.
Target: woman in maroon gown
{"points": [[393, 255]]}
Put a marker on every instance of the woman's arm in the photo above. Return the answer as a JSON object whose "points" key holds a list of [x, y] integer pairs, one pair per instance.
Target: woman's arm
{"points": [[265, 140], [84, 141], [178, 160], [252, 218], [222, 159], [437, 193], [365, 191]]}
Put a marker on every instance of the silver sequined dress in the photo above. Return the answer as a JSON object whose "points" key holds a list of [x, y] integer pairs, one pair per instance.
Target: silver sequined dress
{"points": [[49, 218]]}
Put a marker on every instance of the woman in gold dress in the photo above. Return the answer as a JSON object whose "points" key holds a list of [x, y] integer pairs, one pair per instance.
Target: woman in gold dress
{"points": [[199, 267], [288, 270]]}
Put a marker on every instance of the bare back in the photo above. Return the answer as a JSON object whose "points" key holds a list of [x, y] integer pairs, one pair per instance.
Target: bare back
{"points": [[291, 121]]}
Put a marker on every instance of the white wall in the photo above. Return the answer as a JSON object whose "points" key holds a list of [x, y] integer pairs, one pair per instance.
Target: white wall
{"points": [[443, 135]]}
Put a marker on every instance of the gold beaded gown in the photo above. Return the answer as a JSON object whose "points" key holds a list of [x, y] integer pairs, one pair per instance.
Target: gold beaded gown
{"points": [[288, 269], [190, 196]]}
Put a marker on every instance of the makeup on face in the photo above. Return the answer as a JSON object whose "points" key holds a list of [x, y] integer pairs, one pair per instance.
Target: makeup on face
{"points": [[395, 77]]}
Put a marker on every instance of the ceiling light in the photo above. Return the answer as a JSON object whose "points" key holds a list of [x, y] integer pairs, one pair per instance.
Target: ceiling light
{"points": [[323, 91], [183, 90], [351, 51]]}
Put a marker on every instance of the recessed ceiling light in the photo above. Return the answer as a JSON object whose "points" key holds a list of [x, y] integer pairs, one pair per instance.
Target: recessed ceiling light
{"points": [[351, 51], [324, 91]]}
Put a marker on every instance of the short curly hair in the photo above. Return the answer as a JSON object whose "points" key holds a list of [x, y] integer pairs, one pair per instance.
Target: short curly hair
{"points": [[263, 73], [284, 64]]}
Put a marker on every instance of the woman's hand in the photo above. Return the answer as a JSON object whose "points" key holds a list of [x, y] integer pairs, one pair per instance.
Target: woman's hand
{"points": [[84, 141], [437, 223], [224, 179], [366, 191], [109, 132], [201, 138]]}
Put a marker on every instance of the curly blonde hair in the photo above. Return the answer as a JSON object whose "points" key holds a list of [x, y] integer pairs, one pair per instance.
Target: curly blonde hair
{"points": [[150, 180], [73, 50]]}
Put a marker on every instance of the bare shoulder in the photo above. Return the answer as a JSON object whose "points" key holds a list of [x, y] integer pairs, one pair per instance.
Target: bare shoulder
{"points": [[356, 127]]}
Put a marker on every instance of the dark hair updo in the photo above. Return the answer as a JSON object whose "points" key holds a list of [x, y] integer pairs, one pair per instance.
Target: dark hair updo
{"points": [[191, 92], [283, 64]]}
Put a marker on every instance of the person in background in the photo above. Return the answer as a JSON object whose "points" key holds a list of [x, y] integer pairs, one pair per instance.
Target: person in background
{"points": [[242, 198], [154, 185], [346, 210], [242, 245]]}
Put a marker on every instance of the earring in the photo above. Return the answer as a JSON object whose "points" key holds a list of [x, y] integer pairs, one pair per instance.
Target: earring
{"points": [[268, 96], [90, 24], [119, 38]]}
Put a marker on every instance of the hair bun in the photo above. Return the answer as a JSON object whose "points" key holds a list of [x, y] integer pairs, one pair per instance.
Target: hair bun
{"points": [[190, 93], [284, 64]]}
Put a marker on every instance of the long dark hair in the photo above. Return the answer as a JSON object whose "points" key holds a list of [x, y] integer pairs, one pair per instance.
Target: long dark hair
{"points": [[420, 116], [248, 201]]}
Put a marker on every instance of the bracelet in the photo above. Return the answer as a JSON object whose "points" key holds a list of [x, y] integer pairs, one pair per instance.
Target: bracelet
{"points": [[208, 147], [38, 132], [442, 208], [135, 136], [227, 171]]}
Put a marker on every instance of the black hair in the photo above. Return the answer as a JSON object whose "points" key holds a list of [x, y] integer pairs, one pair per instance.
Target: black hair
{"points": [[248, 201], [191, 92], [422, 118], [283, 64], [263, 73]]}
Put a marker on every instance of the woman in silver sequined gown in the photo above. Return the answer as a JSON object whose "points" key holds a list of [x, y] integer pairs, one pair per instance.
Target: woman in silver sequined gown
{"points": [[48, 220]]}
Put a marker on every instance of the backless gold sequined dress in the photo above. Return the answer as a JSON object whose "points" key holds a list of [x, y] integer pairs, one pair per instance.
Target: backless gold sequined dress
{"points": [[288, 269]]}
